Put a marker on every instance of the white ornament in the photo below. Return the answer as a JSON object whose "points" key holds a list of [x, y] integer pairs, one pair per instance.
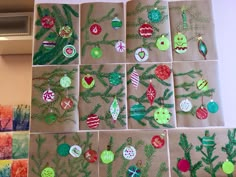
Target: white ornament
{"points": [[120, 46], [129, 152], [185, 105], [48, 95], [75, 151], [141, 54]]}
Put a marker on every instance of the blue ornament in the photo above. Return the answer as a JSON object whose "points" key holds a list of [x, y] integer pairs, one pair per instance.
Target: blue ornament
{"points": [[212, 107]]}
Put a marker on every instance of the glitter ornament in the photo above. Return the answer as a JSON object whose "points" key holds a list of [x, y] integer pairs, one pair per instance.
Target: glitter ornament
{"points": [[93, 121], [91, 155], [95, 29], [228, 167], [50, 118], [88, 81], [201, 113], [134, 77], [137, 111], [115, 110], [47, 22], [145, 30], [154, 15], [129, 152], [163, 43], [183, 165], [163, 72], [63, 149], [107, 156], [151, 93], [65, 81], [116, 23], [120, 46], [115, 78], [66, 103], [202, 85], [96, 52], [141, 54], [185, 105], [75, 151], [48, 95], [48, 172], [202, 48], [134, 170], [180, 43], [69, 51], [65, 31], [158, 141], [212, 106], [162, 115]]}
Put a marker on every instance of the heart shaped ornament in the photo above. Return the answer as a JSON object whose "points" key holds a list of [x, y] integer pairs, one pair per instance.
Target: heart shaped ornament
{"points": [[141, 54], [88, 81]]}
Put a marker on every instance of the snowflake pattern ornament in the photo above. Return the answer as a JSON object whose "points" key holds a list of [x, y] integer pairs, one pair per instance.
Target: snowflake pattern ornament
{"points": [[151, 93], [120, 46], [48, 95], [134, 76], [115, 109], [185, 105]]}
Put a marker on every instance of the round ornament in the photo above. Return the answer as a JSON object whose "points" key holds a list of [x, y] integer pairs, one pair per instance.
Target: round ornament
{"points": [[115, 78], [133, 171], [47, 22], [228, 167], [180, 43], [137, 111], [48, 95], [208, 141], [75, 151], [107, 156], [183, 165], [48, 172], [163, 43], [154, 15], [129, 152], [162, 115], [96, 52], [88, 81], [69, 51], [185, 105], [201, 113], [116, 23], [63, 149], [212, 106], [95, 29], [66, 103], [91, 156], [93, 121], [50, 118], [202, 85], [141, 54], [163, 72], [65, 31], [120, 46], [65, 81], [158, 141], [145, 30]]}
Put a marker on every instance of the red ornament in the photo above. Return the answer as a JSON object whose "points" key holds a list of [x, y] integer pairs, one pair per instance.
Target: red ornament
{"points": [[91, 156], [145, 30], [95, 29], [163, 72], [158, 141], [151, 93], [47, 22], [66, 103], [93, 121], [183, 165], [201, 113]]}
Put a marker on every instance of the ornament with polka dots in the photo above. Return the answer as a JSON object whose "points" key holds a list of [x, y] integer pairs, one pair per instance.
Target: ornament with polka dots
{"points": [[163, 72], [95, 29], [162, 115], [129, 152], [48, 172]]}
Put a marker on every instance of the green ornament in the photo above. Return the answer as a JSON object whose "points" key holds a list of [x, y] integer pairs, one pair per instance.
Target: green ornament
{"points": [[202, 85], [212, 107], [202, 47], [137, 111], [163, 43], [154, 15], [228, 167], [50, 41], [162, 115], [48, 172], [63, 149], [180, 43], [50, 118], [107, 156], [116, 23], [96, 52], [88, 81], [115, 78], [65, 81], [208, 141]]}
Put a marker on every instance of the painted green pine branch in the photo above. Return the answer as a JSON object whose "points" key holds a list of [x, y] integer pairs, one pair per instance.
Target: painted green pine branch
{"points": [[137, 67], [193, 74], [186, 85], [191, 112], [162, 169], [94, 111], [178, 173], [207, 155], [149, 151], [38, 160], [195, 95]]}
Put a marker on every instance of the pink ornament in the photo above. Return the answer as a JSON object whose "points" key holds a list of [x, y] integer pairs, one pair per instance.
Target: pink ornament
{"points": [[48, 95], [134, 78]]}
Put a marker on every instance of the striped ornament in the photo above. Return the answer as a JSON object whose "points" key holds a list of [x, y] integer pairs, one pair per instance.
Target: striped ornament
{"points": [[208, 141], [134, 78], [93, 121], [145, 30]]}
